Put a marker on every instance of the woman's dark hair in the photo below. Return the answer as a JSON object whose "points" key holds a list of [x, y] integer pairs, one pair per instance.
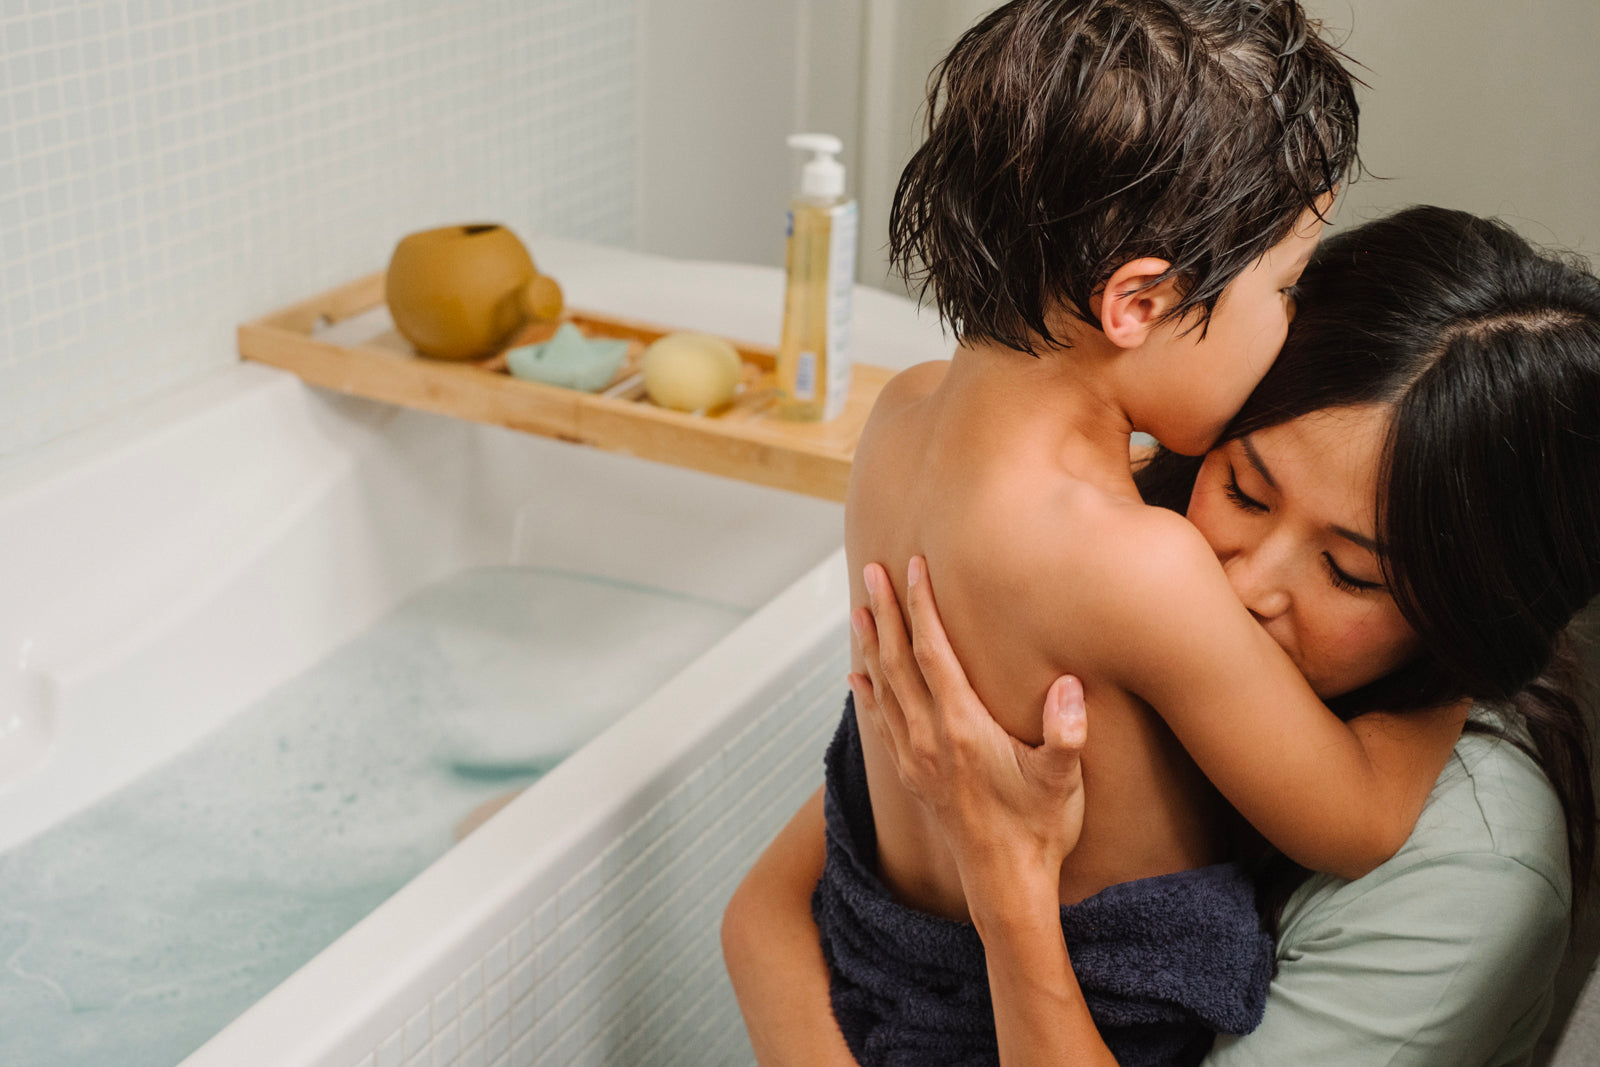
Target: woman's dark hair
{"points": [[1068, 137], [1488, 508]]}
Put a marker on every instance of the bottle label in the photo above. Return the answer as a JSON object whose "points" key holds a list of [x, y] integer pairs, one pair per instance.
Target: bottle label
{"points": [[805, 376], [841, 290]]}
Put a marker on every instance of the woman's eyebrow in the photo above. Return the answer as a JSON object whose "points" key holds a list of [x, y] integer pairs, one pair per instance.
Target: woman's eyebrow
{"points": [[1254, 457], [1360, 539]]}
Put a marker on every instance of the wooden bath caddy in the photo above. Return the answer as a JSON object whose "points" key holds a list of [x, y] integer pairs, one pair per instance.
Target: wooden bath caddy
{"points": [[746, 441]]}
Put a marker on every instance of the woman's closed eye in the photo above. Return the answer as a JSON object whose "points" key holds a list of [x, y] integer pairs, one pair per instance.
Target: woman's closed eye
{"points": [[1342, 579], [1241, 500]]}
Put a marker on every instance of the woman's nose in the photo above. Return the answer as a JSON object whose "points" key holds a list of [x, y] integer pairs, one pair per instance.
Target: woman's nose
{"points": [[1257, 576]]}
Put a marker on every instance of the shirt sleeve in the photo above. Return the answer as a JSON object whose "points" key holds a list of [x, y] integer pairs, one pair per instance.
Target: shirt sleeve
{"points": [[1446, 961]]}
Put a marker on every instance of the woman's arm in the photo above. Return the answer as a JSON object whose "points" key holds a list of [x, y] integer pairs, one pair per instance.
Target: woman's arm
{"points": [[1012, 813], [773, 951]]}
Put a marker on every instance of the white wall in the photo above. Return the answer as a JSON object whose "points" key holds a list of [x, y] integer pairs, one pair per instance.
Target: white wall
{"points": [[170, 168]]}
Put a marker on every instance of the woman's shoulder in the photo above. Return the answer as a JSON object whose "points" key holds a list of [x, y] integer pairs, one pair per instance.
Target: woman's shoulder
{"points": [[1492, 818], [1492, 799]]}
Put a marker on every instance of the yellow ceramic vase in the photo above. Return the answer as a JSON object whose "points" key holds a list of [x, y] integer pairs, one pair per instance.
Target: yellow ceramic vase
{"points": [[462, 292]]}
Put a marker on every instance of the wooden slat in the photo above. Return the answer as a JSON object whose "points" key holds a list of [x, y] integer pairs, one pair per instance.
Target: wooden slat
{"points": [[747, 441]]}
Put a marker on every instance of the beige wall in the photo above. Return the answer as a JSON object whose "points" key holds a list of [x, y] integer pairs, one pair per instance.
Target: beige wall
{"points": [[1480, 105], [903, 40], [717, 94], [1474, 104]]}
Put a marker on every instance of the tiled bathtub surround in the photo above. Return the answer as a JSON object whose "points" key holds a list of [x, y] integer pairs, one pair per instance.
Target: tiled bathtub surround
{"points": [[169, 168], [621, 965]]}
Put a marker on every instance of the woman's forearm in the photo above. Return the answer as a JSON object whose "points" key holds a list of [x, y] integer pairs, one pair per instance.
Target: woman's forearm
{"points": [[1040, 1016], [774, 953]]}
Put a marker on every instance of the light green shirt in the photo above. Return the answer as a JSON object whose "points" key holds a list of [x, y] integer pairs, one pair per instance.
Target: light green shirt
{"points": [[1445, 955]]}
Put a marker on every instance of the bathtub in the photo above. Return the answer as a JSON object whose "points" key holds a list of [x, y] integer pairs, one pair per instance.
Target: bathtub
{"points": [[166, 571]]}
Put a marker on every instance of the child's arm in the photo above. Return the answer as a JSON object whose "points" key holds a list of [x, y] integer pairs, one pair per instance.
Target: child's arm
{"points": [[1334, 797], [773, 951]]}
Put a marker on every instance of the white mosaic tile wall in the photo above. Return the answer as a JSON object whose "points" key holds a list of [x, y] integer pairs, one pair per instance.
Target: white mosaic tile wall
{"points": [[622, 965], [169, 168]]}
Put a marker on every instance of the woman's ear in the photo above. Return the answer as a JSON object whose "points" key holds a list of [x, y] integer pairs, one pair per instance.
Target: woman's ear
{"points": [[1133, 302]]}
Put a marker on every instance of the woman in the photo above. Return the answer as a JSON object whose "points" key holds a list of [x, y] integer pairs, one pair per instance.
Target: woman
{"points": [[1441, 387]]}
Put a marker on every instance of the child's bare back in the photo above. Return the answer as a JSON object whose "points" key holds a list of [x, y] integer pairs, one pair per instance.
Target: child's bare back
{"points": [[998, 495]]}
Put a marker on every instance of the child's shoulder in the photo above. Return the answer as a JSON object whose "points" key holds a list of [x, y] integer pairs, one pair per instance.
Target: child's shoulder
{"points": [[1097, 557], [1159, 544], [895, 402], [910, 385]]}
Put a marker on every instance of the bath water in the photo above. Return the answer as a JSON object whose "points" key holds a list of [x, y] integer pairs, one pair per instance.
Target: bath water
{"points": [[133, 931]]}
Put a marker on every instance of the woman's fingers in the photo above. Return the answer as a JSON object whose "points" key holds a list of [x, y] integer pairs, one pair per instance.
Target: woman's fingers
{"points": [[867, 710], [938, 668], [896, 664], [1051, 804], [999, 801], [1066, 718], [864, 632], [875, 701]]}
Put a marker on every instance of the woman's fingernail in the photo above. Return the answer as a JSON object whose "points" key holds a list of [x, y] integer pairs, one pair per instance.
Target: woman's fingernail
{"points": [[855, 625], [914, 571]]}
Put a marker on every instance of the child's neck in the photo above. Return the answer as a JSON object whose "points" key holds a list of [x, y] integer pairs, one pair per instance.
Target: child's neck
{"points": [[1060, 402]]}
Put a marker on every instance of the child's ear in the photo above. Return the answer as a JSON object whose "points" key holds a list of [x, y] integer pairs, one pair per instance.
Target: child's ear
{"points": [[1133, 302]]}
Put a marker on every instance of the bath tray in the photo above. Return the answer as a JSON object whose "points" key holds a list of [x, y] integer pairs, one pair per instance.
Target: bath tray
{"points": [[746, 441]]}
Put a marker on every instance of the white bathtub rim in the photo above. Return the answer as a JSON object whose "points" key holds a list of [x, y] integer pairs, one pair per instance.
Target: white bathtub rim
{"points": [[533, 843]]}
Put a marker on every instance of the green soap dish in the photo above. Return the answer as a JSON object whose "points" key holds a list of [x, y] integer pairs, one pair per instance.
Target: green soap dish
{"points": [[569, 359]]}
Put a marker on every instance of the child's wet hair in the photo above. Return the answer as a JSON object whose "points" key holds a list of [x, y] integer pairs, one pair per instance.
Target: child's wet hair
{"points": [[1068, 137]]}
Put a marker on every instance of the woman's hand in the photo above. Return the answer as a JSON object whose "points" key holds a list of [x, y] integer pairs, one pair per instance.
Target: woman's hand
{"points": [[1011, 812]]}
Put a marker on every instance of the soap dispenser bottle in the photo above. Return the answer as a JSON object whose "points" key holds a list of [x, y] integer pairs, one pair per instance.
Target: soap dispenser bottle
{"points": [[814, 351]]}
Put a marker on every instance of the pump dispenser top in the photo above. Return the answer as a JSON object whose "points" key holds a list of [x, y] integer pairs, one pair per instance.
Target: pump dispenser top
{"points": [[823, 176]]}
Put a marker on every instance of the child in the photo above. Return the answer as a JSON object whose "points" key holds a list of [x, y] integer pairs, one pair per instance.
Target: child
{"points": [[1112, 208]]}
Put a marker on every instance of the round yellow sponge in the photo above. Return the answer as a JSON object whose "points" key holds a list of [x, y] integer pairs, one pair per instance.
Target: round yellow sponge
{"points": [[691, 372]]}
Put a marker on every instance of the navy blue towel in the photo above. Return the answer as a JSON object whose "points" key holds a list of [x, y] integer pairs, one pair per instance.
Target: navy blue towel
{"points": [[1164, 963]]}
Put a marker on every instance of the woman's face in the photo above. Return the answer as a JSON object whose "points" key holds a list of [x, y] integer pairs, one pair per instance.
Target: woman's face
{"points": [[1290, 512]]}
